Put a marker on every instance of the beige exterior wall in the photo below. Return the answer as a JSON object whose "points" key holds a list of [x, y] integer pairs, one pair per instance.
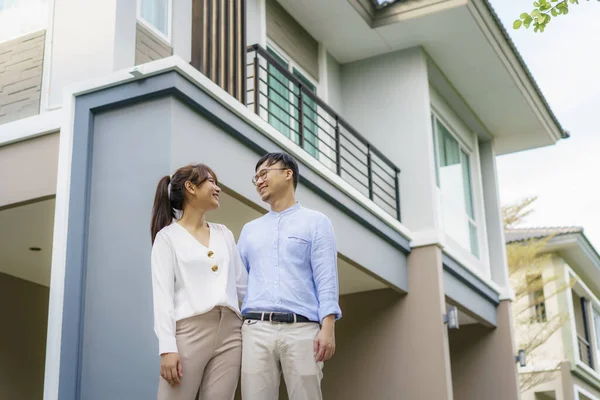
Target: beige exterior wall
{"points": [[552, 352], [149, 47], [391, 346], [21, 62], [28, 169], [483, 363], [24, 315]]}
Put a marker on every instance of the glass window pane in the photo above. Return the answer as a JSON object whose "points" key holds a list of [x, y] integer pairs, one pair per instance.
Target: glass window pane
{"points": [[279, 97], [597, 327], [311, 142], [156, 13], [474, 240], [435, 152], [466, 168]]}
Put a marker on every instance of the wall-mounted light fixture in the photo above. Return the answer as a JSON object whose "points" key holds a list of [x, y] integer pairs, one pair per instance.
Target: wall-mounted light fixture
{"points": [[451, 317], [521, 358]]}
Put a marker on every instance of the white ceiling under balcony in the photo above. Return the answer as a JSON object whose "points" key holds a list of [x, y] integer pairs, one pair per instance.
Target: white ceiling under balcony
{"points": [[483, 69], [31, 225]]}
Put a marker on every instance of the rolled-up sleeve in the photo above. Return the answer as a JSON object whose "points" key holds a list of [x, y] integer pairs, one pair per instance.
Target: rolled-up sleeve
{"points": [[324, 266], [163, 291]]}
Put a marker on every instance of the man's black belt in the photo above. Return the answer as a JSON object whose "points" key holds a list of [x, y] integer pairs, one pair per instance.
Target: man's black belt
{"points": [[287, 318]]}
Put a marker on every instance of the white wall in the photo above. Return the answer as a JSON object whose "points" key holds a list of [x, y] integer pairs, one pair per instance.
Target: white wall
{"points": [[88, 39], [182, 29], [493, 214], [386, 99], [256, 22], [334, 85]]}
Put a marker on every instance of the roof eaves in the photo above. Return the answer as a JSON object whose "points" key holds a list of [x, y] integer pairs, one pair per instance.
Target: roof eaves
{"points": [[565, 134]]}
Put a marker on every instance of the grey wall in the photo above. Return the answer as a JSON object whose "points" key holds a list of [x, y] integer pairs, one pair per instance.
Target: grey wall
{"points": [[24, 316], [132, 148], [21, 76], [148, 46], [334, 85], [386, 99], [130, 153]]}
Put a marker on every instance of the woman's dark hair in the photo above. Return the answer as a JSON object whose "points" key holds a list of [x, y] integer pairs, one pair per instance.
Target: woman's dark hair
{"points": [[168, 200], [286, 160]]}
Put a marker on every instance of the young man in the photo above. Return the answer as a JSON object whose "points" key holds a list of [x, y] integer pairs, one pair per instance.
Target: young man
{"points": [[292, 299]]}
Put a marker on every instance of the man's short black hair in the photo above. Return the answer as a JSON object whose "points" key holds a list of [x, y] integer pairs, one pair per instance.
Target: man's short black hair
{"points": [[287, 161]]}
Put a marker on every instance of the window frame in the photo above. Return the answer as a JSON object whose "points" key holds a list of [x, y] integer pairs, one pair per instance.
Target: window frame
{"points": [[292, 67], [536, 316], [148, 25], [464, 150]]}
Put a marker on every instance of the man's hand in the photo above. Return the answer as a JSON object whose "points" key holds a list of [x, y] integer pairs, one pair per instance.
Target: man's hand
{"points": [[325, 340], [170, 368]]}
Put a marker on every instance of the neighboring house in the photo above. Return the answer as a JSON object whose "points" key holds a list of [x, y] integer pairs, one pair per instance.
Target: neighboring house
{"points": [[395, 112], [567, 365]]}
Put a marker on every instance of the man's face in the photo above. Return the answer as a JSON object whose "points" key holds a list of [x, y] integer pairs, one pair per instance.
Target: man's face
{"points": [[272, 180]]}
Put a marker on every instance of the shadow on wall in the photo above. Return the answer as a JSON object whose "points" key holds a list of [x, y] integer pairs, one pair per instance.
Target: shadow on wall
{"points": [[24, 315]]}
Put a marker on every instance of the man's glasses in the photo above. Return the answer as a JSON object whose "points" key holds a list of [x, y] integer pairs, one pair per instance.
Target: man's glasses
{"points": [[262, 174]]}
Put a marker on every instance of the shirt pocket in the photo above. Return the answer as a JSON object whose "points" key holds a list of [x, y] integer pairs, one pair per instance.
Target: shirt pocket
{"points": [[298, 250]]}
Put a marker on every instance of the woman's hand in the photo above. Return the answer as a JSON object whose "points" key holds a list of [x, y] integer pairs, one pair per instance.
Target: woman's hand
{"points": [[170, 368]]}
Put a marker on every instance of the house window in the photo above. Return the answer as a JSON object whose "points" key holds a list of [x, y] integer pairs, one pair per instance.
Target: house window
{"points": [[454, 178], [156, 14], [284, 103], [596, 316], [537, 300]]}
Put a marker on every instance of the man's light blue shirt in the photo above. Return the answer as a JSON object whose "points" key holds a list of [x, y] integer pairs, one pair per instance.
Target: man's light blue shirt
{"points": [[291, 258]]}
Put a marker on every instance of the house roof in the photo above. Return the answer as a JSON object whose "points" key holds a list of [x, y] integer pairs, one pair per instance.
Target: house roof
{"points": [[565, 134], [521, 234]]}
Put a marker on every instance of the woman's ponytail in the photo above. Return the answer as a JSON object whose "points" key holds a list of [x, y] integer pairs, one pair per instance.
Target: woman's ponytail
{"points": [[162, 211]]}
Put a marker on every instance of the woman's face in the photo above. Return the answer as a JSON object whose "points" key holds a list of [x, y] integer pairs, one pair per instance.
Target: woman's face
{"points": [[204, 196]]}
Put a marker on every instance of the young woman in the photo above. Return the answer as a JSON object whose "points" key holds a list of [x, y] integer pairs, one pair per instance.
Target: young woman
{"points": [[198, 282]]}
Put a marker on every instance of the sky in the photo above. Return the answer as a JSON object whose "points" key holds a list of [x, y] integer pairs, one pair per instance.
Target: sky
{"points": [[565, 62]]}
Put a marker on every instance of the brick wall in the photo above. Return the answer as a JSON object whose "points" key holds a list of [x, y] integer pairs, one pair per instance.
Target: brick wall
{"points": [[149, 47], [21, 76]]}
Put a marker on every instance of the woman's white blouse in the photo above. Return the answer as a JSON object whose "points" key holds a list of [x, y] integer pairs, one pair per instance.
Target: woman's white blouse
{"points": [[190, 279]]}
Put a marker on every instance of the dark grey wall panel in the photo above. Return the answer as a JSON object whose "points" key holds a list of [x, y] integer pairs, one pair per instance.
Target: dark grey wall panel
{"points": [[130, 153]]}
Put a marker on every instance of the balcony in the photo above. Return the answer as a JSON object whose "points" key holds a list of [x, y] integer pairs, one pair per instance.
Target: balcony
{"points": [[289, 104]]}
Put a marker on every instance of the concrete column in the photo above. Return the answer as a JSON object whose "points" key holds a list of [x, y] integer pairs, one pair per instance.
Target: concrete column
{"points": [[182, 29], [493, 215], [392, 346], [483, 360], [256, 18]]}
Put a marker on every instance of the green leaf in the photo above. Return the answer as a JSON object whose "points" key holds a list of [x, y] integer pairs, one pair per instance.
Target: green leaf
{"points": [[535, 13], [527, 22], [525, 15], [536, 4], [554, 12], [517, 24]]}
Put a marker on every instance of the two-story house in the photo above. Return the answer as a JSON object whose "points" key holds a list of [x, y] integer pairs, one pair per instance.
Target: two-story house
{"points": [[565, 311], [395, 111]]}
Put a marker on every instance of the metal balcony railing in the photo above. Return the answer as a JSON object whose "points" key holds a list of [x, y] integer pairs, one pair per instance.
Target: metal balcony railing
{"points": [[288, 102], [585, 351]]}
